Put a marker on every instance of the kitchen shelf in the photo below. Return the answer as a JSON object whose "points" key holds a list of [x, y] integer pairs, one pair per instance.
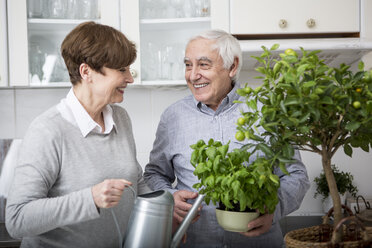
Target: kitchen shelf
{"points": [[41, 24], [163, 82], [173, 23]]}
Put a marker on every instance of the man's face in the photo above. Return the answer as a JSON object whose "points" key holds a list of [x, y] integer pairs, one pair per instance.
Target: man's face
{"points": [[205, 75]]}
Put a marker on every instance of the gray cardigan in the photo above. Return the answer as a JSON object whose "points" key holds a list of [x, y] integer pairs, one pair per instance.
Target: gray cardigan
{"points": [[50, 202]]}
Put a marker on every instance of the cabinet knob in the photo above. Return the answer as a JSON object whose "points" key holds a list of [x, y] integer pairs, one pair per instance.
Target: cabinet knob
{"points": [[282, 23], [310, 23], [133, 73]]}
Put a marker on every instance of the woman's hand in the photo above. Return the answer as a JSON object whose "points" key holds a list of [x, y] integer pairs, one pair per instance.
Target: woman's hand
{"points": [[108, 193], [260, 225]]}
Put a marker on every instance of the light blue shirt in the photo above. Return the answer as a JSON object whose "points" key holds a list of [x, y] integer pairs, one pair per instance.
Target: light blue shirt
{"points": [[184, 123]]}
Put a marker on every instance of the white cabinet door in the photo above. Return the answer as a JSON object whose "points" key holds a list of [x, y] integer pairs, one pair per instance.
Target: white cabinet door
{"points": [[34, 38], [3, 45], [294, 16], [160, 30]]}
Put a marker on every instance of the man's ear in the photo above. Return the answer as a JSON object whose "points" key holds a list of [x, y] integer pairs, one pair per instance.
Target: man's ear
{"points": [[234, 67], [84, 70]]}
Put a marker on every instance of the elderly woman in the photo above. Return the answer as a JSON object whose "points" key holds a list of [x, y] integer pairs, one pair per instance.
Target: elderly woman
{"points": [[78, 157]]}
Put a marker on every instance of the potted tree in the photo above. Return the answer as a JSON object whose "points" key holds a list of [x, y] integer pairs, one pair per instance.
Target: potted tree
{"points": [[344, 182], [242, 192], [305, 103]]}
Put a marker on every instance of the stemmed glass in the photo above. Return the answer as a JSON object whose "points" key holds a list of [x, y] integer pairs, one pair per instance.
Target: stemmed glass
{"points": [[178, 5]]}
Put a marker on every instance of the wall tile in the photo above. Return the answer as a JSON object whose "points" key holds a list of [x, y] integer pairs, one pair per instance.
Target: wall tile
{"points": [[7, 123], [137, 101], [32, 102]]}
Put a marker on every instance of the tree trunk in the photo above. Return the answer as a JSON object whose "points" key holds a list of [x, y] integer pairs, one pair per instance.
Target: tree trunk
{"points": [[333, 191]]}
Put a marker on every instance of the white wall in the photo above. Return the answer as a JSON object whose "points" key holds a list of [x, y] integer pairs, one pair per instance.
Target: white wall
{"points": [[145, 105]]}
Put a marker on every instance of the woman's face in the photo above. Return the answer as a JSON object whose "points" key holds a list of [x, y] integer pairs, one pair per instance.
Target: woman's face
{"points": [[109, 86]]}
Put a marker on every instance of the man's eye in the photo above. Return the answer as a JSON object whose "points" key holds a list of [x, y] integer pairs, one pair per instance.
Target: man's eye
{"points": [[204, 65], [122, 70]]}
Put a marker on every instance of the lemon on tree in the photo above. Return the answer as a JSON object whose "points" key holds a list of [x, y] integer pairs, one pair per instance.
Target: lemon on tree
{"points": [[239, 136]]}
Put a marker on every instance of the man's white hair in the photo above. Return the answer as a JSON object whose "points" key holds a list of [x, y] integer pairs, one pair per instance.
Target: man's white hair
{"points": [[228, 48]]}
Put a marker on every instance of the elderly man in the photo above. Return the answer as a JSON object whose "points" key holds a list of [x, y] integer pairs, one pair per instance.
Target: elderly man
{"points": [[213, 60]]}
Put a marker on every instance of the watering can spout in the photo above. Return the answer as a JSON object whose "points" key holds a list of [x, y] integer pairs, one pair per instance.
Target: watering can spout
{"points": [[186, 222]]}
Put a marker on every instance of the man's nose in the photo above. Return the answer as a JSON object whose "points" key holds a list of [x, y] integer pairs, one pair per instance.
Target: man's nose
{"points": [[195, 73]]}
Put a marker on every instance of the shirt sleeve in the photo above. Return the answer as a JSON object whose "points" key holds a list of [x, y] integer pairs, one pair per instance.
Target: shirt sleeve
{"points": [[159, 172], [30, 210], [293, 188]]}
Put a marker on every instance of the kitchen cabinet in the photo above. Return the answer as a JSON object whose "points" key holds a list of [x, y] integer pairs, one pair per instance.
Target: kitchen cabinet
{"points": [[267, 17], [36, 29], [161, 29], [3, 46]]}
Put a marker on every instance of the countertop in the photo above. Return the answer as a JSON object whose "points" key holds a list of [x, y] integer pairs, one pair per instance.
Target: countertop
{"points": [[6, 240]]}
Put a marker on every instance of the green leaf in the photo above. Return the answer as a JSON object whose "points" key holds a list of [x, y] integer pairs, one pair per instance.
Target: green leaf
{"points": [[210, 181], [301, 69], [223, 150], [252, 104], [293, 100], [348, 150], [352, 126], [194, 158], [242, 200], [361, 66], [283, 168], [274, 178], [216, 163], [265, 149], [274, 47], [236, 187], [308, 84], [211, 152], [326, 100], [282, 106]]}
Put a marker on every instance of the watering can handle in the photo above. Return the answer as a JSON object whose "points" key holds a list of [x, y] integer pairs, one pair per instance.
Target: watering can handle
{"points": [[116, 221], [186, 222], [131, 188]]}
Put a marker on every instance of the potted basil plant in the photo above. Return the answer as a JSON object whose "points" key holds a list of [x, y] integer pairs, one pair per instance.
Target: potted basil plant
{"points": [[240, 192]]}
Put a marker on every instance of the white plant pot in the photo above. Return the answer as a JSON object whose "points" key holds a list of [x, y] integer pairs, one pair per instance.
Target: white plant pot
{"points": [[235, 221], [328, 203]]}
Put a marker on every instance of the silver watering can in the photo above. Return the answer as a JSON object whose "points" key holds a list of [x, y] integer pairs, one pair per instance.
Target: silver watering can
{"points": [[150, 223]]}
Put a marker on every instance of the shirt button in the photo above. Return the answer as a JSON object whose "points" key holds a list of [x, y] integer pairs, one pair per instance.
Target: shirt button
{"points": [[225, 246]]}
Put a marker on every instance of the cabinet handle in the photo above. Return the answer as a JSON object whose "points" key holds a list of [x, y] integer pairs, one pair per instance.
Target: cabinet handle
{"points": [[310, 23], [282, 23], [133, 73]]}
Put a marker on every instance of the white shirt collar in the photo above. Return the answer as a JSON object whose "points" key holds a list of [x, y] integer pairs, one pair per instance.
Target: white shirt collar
{"points": [[83, 120]]}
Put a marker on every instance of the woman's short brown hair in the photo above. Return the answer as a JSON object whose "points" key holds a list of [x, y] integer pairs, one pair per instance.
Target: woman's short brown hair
{"points": [[96, 45]]}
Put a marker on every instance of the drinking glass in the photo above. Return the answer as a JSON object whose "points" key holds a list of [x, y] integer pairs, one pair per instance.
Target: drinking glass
{"points": [[34, 8], [57, 8], [37, 60], [178, 5]]}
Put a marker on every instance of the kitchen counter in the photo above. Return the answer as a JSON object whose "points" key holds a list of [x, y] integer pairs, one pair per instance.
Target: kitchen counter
{"points": [[6, 240]]}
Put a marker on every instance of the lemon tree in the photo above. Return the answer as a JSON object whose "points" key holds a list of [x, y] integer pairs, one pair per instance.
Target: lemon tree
{"points": [[305, 103]]}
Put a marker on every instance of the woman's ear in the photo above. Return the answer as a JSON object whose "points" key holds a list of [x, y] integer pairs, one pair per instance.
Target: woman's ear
{"points": [[234, 67], [84, 70]]}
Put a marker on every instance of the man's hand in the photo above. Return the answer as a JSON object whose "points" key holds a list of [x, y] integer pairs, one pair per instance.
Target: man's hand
{"points": [[259, 226], [108, 193], [181, 207]]}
